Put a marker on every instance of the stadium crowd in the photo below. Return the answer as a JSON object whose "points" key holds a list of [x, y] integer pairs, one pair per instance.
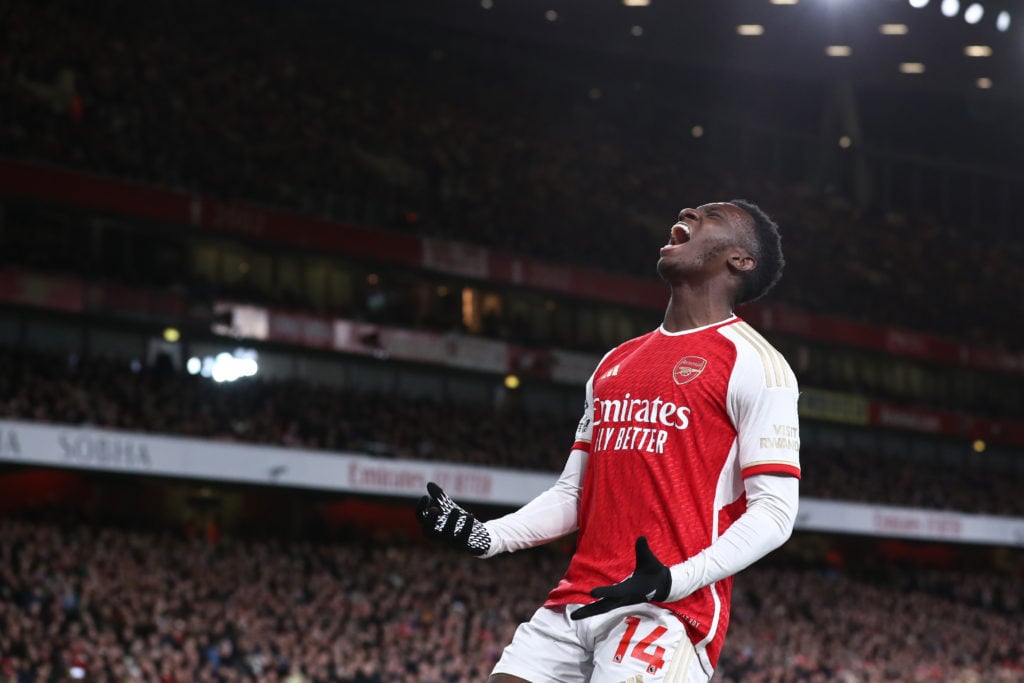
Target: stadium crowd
{"points": [[101, 604], [419, 139], [106, 394]]}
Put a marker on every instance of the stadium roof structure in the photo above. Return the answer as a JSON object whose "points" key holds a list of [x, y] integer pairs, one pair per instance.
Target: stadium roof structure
{"points": [[907, 44]]}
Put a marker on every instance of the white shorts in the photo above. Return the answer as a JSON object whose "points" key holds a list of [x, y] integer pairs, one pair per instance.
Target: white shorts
{"points": [[635, 644]]}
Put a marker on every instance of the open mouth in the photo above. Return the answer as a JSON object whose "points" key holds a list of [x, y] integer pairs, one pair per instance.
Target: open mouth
{"points": [[680, 234]]}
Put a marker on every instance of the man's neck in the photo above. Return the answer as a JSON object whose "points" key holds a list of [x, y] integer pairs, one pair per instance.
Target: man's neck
{"points": [[690, 308]]}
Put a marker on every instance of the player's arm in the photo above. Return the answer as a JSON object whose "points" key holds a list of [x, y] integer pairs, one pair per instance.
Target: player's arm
{"points": [[772, 502], [552, 514]]}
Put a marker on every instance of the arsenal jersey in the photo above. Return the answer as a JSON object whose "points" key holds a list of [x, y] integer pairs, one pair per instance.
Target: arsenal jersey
{"points": [[673, 423]]}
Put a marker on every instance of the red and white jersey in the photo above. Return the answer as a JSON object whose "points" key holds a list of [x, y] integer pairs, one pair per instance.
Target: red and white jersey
{"points": [[673, 423]]}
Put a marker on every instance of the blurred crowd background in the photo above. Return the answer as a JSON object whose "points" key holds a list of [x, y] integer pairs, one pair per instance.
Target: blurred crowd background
{"points": [[139, 605], [312, 108], [96, 393], [445, 142]]}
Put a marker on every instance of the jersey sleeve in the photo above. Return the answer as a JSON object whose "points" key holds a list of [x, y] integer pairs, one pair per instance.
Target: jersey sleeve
{"points": [[762, 402], [585, 428]]}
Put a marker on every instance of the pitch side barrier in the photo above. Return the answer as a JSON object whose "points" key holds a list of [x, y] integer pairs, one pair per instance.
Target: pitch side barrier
{"points": [[46, 445]]}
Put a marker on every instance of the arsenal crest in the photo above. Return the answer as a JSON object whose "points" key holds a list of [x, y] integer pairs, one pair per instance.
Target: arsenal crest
{"points": [[688, 369]]}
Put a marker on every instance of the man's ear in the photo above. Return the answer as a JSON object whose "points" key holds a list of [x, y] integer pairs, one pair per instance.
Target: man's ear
{"points": [[742, 262]]}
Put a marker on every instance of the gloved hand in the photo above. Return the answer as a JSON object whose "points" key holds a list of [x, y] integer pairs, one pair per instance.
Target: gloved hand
{"points": [[443, 519], [650, 581]]}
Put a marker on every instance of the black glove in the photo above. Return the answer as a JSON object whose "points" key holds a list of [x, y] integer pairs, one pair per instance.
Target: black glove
{"points": [[650, 581], [443, 519]]}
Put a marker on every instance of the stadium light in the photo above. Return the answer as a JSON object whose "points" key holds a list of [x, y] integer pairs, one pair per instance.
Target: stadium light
{"points": [[784, 2], [487, 4], [845, 142], [838, 51], [750, 29], [636, 31], [225, 367], [978, 51], [950, 8], [1003, 21], [697, 131], [893, 29], [551, 15], [912, 67], [636, 3], [918, 4], [974, 13], [984, 83]]}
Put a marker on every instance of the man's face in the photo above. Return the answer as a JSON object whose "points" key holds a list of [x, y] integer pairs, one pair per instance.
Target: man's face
{"points": [[703, 240]]}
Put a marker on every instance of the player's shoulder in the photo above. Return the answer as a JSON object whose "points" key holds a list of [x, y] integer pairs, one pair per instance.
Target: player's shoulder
{"points": [[633, 344], [757, 356]]}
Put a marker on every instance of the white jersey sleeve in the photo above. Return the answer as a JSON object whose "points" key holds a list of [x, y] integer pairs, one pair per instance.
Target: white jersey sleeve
{"points": [[552, 514], [762, 403], [585, 428], [555, 512], [772, 504]]}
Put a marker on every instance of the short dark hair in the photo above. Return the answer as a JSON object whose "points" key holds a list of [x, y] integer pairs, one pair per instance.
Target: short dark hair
{"points": [[767, 251]]}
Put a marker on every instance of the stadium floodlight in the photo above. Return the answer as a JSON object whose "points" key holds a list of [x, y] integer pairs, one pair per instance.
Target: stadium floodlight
{"points": [[229, 367], [918, 4], [893, 29], [950, 8], [697, 131], [784, 2], [838, 50], [974, 13], [984, 83], [225, 367], [551, 15], [750, 29], [978, 51], [636, 31], [911, 67], [636, 3], [487, 4], [1003, 21]]}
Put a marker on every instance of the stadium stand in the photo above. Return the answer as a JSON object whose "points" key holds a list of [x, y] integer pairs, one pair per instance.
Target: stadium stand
{"points": [[89, 391], [117, 605], [443, 152]]}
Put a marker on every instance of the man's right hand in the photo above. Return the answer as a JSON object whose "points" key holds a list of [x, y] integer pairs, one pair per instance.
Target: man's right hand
{"points": [[443, 519]]}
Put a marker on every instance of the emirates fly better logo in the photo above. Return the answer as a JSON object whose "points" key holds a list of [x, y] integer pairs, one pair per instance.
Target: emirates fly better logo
{"points": [[688, 369]]}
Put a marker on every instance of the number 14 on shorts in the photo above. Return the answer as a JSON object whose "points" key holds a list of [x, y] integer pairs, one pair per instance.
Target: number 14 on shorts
{"points": [[644, 650]]}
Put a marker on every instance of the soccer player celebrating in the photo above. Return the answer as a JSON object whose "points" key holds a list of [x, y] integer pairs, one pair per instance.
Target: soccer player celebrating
{"points": [[684, 471]]}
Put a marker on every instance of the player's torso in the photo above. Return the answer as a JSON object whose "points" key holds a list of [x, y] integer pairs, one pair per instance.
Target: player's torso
{"points": [[661, 436]]}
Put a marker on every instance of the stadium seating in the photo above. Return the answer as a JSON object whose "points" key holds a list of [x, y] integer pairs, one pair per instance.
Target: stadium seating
{"points": [[43, 387], [95, 602], [445, 150]]}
